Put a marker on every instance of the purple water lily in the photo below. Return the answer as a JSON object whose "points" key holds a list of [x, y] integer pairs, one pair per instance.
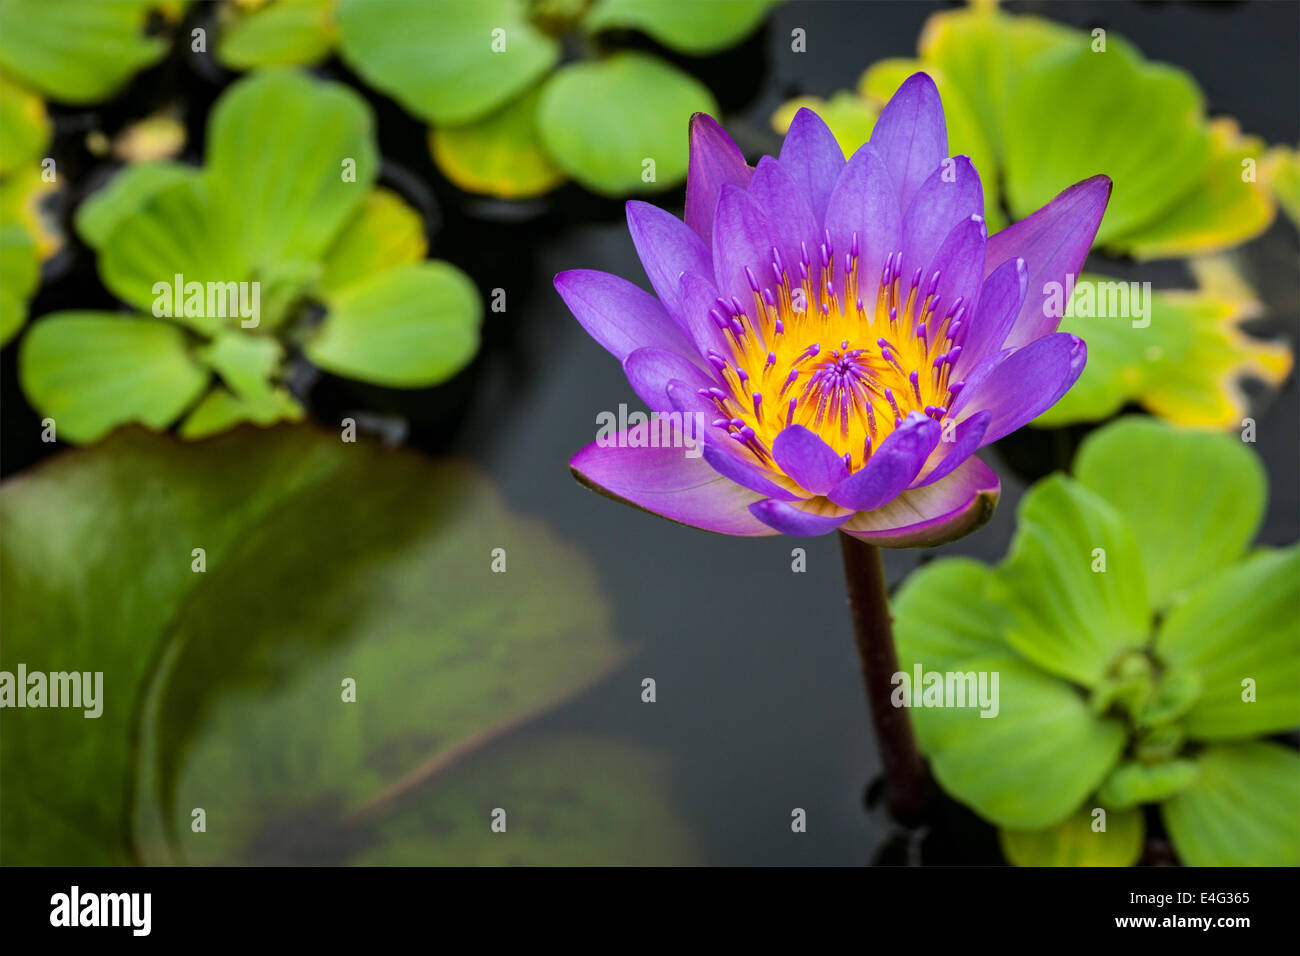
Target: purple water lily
{"points": [[848, 331]]}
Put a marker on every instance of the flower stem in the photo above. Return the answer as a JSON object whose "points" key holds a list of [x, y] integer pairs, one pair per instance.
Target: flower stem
{"points": [[905, 773]]}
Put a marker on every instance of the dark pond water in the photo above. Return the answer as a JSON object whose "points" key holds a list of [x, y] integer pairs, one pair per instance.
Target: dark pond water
{"points": [[759, 700]]}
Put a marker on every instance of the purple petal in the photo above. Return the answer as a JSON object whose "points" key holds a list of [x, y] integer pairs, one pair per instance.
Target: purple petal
{"points": [[617, 314], [864, 203], [960, 265], [1019, 386], [795, 521], [1054, 242], [946, 457], [668, 248], [813, 158], [730, 465], [891, 467], [911, 136], [933, 515], [665, 482], [789, 217], [698, 297], [808, 460], [999, 304], [741, 241], [715, 160], [950, 195], [650, 370]]}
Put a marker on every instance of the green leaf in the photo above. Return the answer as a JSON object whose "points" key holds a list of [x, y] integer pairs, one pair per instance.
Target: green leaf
{"points": [[24, 127], [1282, 173], [1223, 210], [222, 410], [408, 327], [1241, 624], [20, 271], [570, 801], [1184, 359], [1069, 616], [1186, 530], [125, 196], [944, 616], [686, 26], [1031, 765], [244, 360], [93, 371], [1242, 810], [1073, 842], [1077, 113], [500, 155], [278, 148], [602, 121], [170, 234], [309, 569], [282, 33], [385, 232], [77, 51], [1134, 783], [439, 58]]}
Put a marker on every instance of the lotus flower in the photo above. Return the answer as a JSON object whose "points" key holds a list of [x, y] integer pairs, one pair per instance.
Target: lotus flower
{"points": [[846, 331]]}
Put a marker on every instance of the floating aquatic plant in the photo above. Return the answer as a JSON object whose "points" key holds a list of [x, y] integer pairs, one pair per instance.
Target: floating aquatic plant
{"points": [[1143, 650], [284, 214]]}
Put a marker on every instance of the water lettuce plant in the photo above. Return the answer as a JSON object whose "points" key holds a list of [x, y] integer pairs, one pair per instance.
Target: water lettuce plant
{"points": [[1035, 103], [845, 333], [508, 117], [1184, 361], [73, 51], [1145, 654], [294, 640], [284, 216]]}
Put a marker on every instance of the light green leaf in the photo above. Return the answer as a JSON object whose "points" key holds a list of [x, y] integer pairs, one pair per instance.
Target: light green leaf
{"points": [[244, 360], [125, 196], [279, 145], [222, 410], [1032, 764], [1186, 530], [1240, 625], [686, 26], [1073, 842], [602, 122], [77, 51], [24, 127], [20, 271], [93, 371], [171, 234], [500, 155], [572, 801], [1242, 810], [1069, 616], [1282, 172], [96, 567], [1077, 113], [282, 33], [944, 616], [1223, 210], [444, 60], [385, 232], [1135, 783], [409, 327]]}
